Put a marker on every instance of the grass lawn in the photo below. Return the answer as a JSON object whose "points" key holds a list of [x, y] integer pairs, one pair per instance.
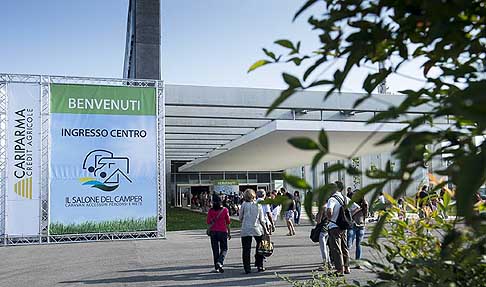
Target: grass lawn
{"points": [[183, 219]]}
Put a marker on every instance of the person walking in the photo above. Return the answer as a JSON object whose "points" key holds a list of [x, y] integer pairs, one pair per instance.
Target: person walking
{"points": [[252, 225], [337, 236], [323, 237], [298, 205], [219, 229], [267, 213], [289, 213], [275, 209], [356, 233]]}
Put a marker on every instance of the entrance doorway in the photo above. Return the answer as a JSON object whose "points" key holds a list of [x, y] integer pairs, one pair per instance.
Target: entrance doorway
{"points": [[199, 196]]}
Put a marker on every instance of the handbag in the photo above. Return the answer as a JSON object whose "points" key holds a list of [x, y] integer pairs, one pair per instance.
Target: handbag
{"points": [[316, 231], [208, 231], [266, 246]]}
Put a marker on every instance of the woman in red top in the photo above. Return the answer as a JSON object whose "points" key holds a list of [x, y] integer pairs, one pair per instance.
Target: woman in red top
{"points": [[219, 222]]}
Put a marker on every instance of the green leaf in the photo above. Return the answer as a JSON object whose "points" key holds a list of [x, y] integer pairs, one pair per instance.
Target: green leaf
{"points": [[283, 96], [311, 69], [317, 158], [373, 80], [258, 64], [365, 190], [304, 7], [351, 170], [296, 182], [377, 229], [292, 81], [446, 199], [303, 143], [335, 167], [285, 43], [320, 83], [308, 204], [361, 100], [323, 193], [270, 54], [279, 200], [470, 175], [390, 198], [297, 60], [323, 140]]}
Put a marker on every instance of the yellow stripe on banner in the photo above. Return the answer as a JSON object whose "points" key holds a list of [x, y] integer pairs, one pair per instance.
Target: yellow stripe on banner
{"points": [[30, 188], [15, 188], [23, 187], [27, 191]]}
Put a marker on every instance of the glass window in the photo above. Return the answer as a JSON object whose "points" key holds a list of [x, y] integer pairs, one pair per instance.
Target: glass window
{"points": [[241, 177], [210, 177], [185, 178], [277, 175], [263, 177], [252, 177]]}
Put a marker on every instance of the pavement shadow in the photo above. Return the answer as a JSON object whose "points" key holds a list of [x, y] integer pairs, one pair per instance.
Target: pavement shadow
{"points": [[192, 274]]}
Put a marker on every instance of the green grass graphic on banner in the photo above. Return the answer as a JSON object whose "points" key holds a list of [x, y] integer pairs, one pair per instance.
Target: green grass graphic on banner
{"points": [[121, 225]]}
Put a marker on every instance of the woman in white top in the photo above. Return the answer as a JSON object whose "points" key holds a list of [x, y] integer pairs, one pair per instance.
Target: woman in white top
{"points": [[252, 225]]}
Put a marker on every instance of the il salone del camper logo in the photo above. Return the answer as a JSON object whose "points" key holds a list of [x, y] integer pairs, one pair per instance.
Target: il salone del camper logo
{"points": [[108, 171]]}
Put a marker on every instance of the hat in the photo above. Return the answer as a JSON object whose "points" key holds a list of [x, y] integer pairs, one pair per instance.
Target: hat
{"points": [[260, 193]]}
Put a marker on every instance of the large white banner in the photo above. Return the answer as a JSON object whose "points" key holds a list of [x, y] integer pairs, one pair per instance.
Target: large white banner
{"points": [[103, 165], [24, 160]]}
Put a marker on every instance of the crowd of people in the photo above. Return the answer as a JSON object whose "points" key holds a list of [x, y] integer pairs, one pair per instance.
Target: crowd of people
{"points": [[340, 231], [202, 201], [340, 225], [258, 220]]}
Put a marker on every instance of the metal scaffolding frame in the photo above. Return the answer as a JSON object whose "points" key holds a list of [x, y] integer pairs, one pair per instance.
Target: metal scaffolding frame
{"points": [[44, 81], [3, 155]]}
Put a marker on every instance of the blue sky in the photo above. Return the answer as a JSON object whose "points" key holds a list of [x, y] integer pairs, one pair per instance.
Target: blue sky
{"points": [[210, 42]]}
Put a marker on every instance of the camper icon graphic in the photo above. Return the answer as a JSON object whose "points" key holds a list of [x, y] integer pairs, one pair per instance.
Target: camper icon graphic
{"points": [[108, 171]]}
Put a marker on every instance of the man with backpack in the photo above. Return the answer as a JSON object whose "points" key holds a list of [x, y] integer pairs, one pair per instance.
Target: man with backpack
{"points": [[340, 220]]}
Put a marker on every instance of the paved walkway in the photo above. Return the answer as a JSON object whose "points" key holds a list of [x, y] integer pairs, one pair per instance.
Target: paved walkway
{"points": [[184, 259]]}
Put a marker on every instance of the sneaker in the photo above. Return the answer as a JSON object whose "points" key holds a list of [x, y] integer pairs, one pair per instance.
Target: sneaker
{"points": [[219, 267], [261, 269]]}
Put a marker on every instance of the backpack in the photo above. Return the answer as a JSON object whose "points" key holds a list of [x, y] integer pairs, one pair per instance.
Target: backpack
{"points": [[344, 220]]}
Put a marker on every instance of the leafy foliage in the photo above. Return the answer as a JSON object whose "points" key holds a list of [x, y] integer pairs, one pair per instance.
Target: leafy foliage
{"points": [[449, 37], [428, 252]]}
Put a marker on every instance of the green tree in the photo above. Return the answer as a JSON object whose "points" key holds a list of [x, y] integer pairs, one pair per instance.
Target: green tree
{"points": [[449, 36]]}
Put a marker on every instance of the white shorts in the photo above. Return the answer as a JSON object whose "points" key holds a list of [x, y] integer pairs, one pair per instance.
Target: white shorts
{"points": [[289, 214]]}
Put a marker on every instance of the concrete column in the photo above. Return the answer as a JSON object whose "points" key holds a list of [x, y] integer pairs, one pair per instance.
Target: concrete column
{"points": [[142, 51]]}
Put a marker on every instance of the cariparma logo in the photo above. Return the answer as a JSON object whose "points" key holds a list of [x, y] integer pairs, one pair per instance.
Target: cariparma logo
{"points": [[24, 188], [107, 170]]}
